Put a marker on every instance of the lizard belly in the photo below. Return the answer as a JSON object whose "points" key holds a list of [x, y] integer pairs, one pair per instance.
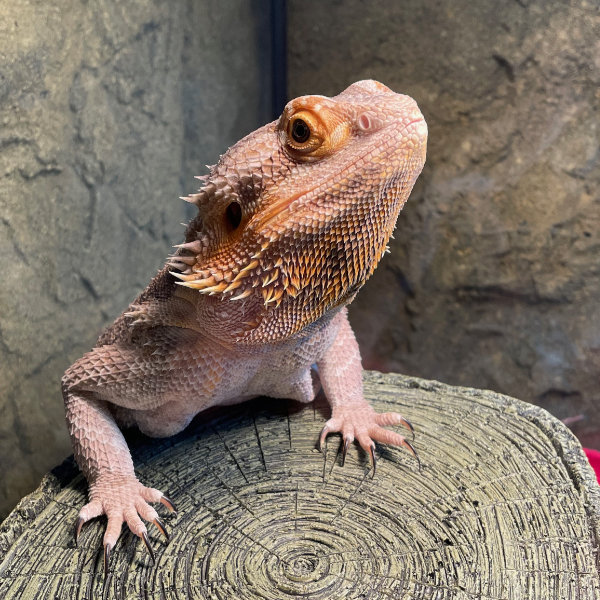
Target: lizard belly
{"points": [[193, 390], [297, 383]]}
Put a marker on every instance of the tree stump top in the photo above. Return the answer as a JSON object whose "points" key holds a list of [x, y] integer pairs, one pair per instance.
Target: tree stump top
{"points": [[504, 508]]}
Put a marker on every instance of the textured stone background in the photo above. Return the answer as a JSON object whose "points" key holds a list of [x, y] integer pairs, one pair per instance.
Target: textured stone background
{"points": [[494, 276], [108, 109]]}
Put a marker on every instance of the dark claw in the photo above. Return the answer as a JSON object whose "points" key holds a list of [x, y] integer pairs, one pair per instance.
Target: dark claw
{"points": [[408, 425], [373, 460], [168, 503], [414, 452], [78, 526], [345, 451], [161, 527], [322, 436], [107, 549], [147, 542]]}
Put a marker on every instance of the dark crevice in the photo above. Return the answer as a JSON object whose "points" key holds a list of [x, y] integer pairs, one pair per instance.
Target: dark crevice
{"points": [[43, 172], [13, 241], [403, 281], [506, 66], [5, 349], [15, 141], [89, 287], [491, 293], [279, 54]]}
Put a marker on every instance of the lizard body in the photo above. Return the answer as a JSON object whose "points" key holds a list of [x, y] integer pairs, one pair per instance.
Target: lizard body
{"points": [[292, 221]]}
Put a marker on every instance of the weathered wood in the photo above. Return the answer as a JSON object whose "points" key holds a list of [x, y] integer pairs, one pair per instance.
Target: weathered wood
{"points": [[505, 507]]}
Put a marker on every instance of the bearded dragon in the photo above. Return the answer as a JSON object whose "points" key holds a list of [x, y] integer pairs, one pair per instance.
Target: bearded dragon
{"points": [[291, 223]]}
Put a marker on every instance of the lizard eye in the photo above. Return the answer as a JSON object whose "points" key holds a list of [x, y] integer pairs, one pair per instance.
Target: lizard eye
{"points": [[302, 134], [233, 214], [300, 131]]}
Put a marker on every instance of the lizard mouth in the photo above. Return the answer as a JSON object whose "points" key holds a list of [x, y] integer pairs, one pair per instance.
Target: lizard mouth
{"points": [[286, 203]]}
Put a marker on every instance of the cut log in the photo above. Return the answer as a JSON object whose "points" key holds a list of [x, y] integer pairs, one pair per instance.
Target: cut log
{"points": [[505, 506]]}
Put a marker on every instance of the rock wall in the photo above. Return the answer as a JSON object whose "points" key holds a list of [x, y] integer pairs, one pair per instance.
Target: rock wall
{"points": [[108, 110], [494, 276]]}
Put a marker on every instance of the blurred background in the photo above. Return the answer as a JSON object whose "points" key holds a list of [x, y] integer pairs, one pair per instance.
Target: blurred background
{"points": [[109, 109]]}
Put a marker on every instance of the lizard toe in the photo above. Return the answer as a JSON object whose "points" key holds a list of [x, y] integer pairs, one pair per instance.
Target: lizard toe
{"points": [[168, 503], [154, 495], [90, 511], [347, 441], [161, 527], [331, 426], [146, 541], [113, 528], [107, 549], [78, 525], [394, 418], [151, 494], [385, 436], [134, 522], [145, 510]]}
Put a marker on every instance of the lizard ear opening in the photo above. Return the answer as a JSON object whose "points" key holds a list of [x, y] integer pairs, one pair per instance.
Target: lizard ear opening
{"points": [[233, 215]]}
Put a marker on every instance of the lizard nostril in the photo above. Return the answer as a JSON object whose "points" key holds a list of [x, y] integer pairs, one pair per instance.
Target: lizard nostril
{"points": [[365, 122]]}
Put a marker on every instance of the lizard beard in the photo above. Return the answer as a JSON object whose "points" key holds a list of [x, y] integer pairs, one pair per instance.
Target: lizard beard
{"points": [[298, 275]]}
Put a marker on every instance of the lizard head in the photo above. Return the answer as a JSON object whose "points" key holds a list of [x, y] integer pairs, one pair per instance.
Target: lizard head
{"points": [[295, 217]]}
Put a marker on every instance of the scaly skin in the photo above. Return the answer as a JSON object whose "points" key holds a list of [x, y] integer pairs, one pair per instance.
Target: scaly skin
{"points": [[292, 221]]}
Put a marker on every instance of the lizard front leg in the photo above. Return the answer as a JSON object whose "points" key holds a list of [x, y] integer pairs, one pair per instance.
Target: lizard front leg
{"points": [[340, 371], [103, 456], [99, 446]]}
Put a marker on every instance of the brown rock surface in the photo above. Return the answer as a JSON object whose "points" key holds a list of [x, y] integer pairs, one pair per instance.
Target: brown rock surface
{"points": [[494, 276]]}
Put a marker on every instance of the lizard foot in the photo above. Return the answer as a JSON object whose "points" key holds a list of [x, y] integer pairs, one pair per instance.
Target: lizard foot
{"points": [[367, 427], [123, 499]]}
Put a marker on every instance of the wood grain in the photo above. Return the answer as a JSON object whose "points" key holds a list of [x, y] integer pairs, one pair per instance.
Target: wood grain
{"points": [[505, 507]]}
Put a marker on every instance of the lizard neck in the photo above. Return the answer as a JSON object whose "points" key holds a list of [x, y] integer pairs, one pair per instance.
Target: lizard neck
{"points": [[249, 324]]}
